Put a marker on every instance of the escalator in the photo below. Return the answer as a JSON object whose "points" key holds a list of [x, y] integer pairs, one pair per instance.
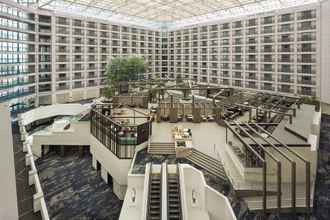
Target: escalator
{"points": [[173, 196], [155, 196]]}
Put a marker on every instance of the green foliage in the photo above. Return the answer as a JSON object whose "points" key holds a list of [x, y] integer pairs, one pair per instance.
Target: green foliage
{"points": [[108, 92], [125, 69], [310, 100]]}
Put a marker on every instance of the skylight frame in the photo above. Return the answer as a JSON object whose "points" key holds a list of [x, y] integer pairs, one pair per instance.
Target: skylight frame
{"points": [[179, 17]]}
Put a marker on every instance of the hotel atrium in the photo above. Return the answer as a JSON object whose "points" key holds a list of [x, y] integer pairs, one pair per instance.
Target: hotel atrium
{"points": [[165, 109]]}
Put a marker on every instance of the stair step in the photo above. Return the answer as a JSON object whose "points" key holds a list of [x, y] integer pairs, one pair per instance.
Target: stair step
{"points": [[205, 162], [209, 164], [205, 156], [161, 148]]}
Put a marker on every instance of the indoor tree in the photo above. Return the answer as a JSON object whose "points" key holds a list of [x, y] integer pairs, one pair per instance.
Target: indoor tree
{"points": [[124, 69]]}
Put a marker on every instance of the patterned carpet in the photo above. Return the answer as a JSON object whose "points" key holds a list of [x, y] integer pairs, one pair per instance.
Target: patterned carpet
{"points": [[24, 191], [322, 188], [74, 190]]}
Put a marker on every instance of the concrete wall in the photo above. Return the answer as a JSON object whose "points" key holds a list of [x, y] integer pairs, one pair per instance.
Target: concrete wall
{"points": [[51, 111], [199, 201], [8, 198], [134, 199], [78, 134], [325, 54], [117, 168]]}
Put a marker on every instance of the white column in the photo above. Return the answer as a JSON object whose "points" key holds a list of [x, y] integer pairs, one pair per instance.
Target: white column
{"points": [[8, 198]]}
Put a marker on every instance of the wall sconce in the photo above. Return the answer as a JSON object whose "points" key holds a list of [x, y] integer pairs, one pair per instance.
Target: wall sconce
{"points": [[133, 197], [193, 197]]}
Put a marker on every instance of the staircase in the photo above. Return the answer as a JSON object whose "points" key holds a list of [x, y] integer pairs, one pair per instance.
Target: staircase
{"points": [[161, 148], [173, 197], [208, 163], [155, 192]]}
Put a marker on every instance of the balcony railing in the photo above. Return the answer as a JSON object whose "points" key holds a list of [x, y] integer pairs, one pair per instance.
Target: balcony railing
{"points": [[62, 69], [62, 78], [15, 95], [21, 83], [65, 87], [45, 79], [307, 82]]}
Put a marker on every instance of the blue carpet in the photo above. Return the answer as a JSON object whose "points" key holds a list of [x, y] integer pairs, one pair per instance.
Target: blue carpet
{"points": [[74, 190]]}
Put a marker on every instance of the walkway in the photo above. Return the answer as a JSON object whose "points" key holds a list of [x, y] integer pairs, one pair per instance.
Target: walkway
{"points": [[322, 188], [24, 191]]}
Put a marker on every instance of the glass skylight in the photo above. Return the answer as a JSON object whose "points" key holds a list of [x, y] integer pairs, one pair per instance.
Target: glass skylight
{"points": [[167, 13]]}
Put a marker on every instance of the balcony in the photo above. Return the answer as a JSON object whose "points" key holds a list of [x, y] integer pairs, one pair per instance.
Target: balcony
{"points": [[45, 70], [308, 49], [46, 20], [78, 42], [286, 29], [267, 50], [62, 60], [45, 79], [91, 42], [268, 88], [63, 78], [286, 18], [78, 76], [62, 69], [92, 76], [15, 95], [267, 69], [268, 79], [306, 27], [306, 82], [306, 91], [268, 31], [251, 59], [267, 60], [307, 15], [62, 87], [63, 32], [251, 50], [306, 60], [91, 25], [78, 51], [285, 89], [62, 50], [285, 80], [77, 23], [45, 88], [14, 84], [78, 85], [62, 22], [285, 50], [91, 34], [285, 60], [78, 32], [286, 39], [306, 70], [286, 70], [91, 84]]}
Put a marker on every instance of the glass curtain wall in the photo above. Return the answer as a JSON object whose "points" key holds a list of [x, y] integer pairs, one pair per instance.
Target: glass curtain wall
{"points": [[17, 60]]}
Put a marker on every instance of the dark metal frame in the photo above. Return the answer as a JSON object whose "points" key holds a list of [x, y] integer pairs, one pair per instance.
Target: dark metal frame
{"points": [[105, 129]]}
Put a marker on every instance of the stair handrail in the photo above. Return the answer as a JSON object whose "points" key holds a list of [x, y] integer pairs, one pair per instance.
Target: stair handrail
{"points": [[179, 189], [149, 188], [161, 187]]}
